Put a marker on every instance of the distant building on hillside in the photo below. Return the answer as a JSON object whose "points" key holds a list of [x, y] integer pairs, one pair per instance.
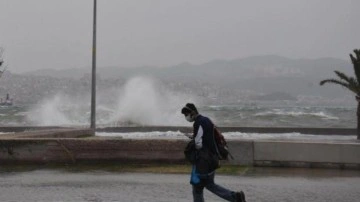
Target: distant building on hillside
{"points": [[7, 102]]}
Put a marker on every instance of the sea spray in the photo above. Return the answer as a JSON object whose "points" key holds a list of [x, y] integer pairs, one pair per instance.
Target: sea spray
{"points": [[144, 101], [49, 112], [140, 101], [147, 101], [77, 111]]}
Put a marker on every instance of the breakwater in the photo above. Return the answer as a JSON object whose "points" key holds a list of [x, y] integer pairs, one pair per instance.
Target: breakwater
{"points": [[66, 145], [313, 131]]}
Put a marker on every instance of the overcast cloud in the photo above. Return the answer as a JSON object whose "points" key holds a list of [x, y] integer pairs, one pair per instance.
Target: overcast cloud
{"points": [[38, 34]]}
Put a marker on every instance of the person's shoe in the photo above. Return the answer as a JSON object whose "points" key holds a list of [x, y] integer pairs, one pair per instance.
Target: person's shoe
{"points": [[240, 196]]}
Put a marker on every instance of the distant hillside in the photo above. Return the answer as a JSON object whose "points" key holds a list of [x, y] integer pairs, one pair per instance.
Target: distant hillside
{"points": [[256, 66], [222, 80], [275, 96], [65, 73]]}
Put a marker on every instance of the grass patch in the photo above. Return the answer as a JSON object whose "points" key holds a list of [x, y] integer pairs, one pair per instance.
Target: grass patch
{"points": [[155, 168], [134, 168], [233, 170]]}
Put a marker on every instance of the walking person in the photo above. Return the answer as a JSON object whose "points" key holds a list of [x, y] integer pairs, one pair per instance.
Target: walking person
{"points": [[206, 161]]}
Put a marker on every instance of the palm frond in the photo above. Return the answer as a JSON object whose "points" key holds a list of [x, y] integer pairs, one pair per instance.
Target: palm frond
{"points": [[356, 63], [342, 76], [349, 86], [1, 58], [351, 80], [356, 59], [334, 81]]}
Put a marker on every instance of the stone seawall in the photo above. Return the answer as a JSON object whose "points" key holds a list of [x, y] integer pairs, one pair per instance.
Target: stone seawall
{"points": [[248, 153], [332, 154], [313, 131], [92, 150], [80, 145]]}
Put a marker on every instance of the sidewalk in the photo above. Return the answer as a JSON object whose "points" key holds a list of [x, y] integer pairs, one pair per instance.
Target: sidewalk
{"points": [[265, 184]]}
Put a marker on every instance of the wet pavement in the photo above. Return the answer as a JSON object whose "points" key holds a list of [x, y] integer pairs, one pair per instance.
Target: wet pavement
{"points": [[260, 184]]}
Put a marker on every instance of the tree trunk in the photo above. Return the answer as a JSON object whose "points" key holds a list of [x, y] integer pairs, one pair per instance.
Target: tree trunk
{"points": [[358, 121]]}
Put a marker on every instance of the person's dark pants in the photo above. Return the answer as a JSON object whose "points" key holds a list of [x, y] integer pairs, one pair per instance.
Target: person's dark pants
{"points": [[210, 185]]}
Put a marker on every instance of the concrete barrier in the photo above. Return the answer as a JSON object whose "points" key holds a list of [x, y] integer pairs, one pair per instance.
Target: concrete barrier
{"points": [[65, 146], [117, 150], [91, 150], [17, 129], [51, 133], [307, 154], [313, 131], [242, 151]]}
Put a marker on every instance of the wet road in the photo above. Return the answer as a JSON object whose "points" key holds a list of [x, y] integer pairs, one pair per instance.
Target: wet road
{"points": [[100, 186]]}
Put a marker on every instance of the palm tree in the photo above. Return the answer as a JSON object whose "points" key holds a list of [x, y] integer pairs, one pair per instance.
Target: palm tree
{"points": [[351, 83], [1, 52], [1, 61]]}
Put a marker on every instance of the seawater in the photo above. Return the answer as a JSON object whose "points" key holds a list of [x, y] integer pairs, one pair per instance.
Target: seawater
{"points": [[277, 115], [244, 115], [144, 102]]}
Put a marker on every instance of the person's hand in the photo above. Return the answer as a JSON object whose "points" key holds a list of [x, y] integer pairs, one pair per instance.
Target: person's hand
{"points": [[189, 135]]}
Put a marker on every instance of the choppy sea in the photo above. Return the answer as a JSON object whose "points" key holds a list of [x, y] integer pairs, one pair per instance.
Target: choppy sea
{"points": [[245, 115], [240, 115], [284, 116]]}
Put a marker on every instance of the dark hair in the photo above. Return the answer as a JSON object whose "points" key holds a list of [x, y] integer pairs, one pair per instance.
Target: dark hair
{"points": [[189, 107]]}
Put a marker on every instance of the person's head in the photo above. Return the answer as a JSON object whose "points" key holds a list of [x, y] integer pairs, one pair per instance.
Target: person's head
{"points": [[190, 112]]}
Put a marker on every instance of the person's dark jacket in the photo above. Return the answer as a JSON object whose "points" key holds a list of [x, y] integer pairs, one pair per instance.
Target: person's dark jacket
{"points": [[207, 160]]}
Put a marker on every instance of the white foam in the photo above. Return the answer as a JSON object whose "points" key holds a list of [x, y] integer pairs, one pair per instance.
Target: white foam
{"points": [[228, 135], [145, 135], [6, 133], [143, 101], [281, 112], [48, 112]]}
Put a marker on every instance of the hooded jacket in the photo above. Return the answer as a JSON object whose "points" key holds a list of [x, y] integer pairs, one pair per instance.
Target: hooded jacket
{"points": [[204, 134]]}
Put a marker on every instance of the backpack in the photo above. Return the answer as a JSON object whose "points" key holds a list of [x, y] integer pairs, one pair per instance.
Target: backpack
{"points": [[221, 145], [204, 161]]}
